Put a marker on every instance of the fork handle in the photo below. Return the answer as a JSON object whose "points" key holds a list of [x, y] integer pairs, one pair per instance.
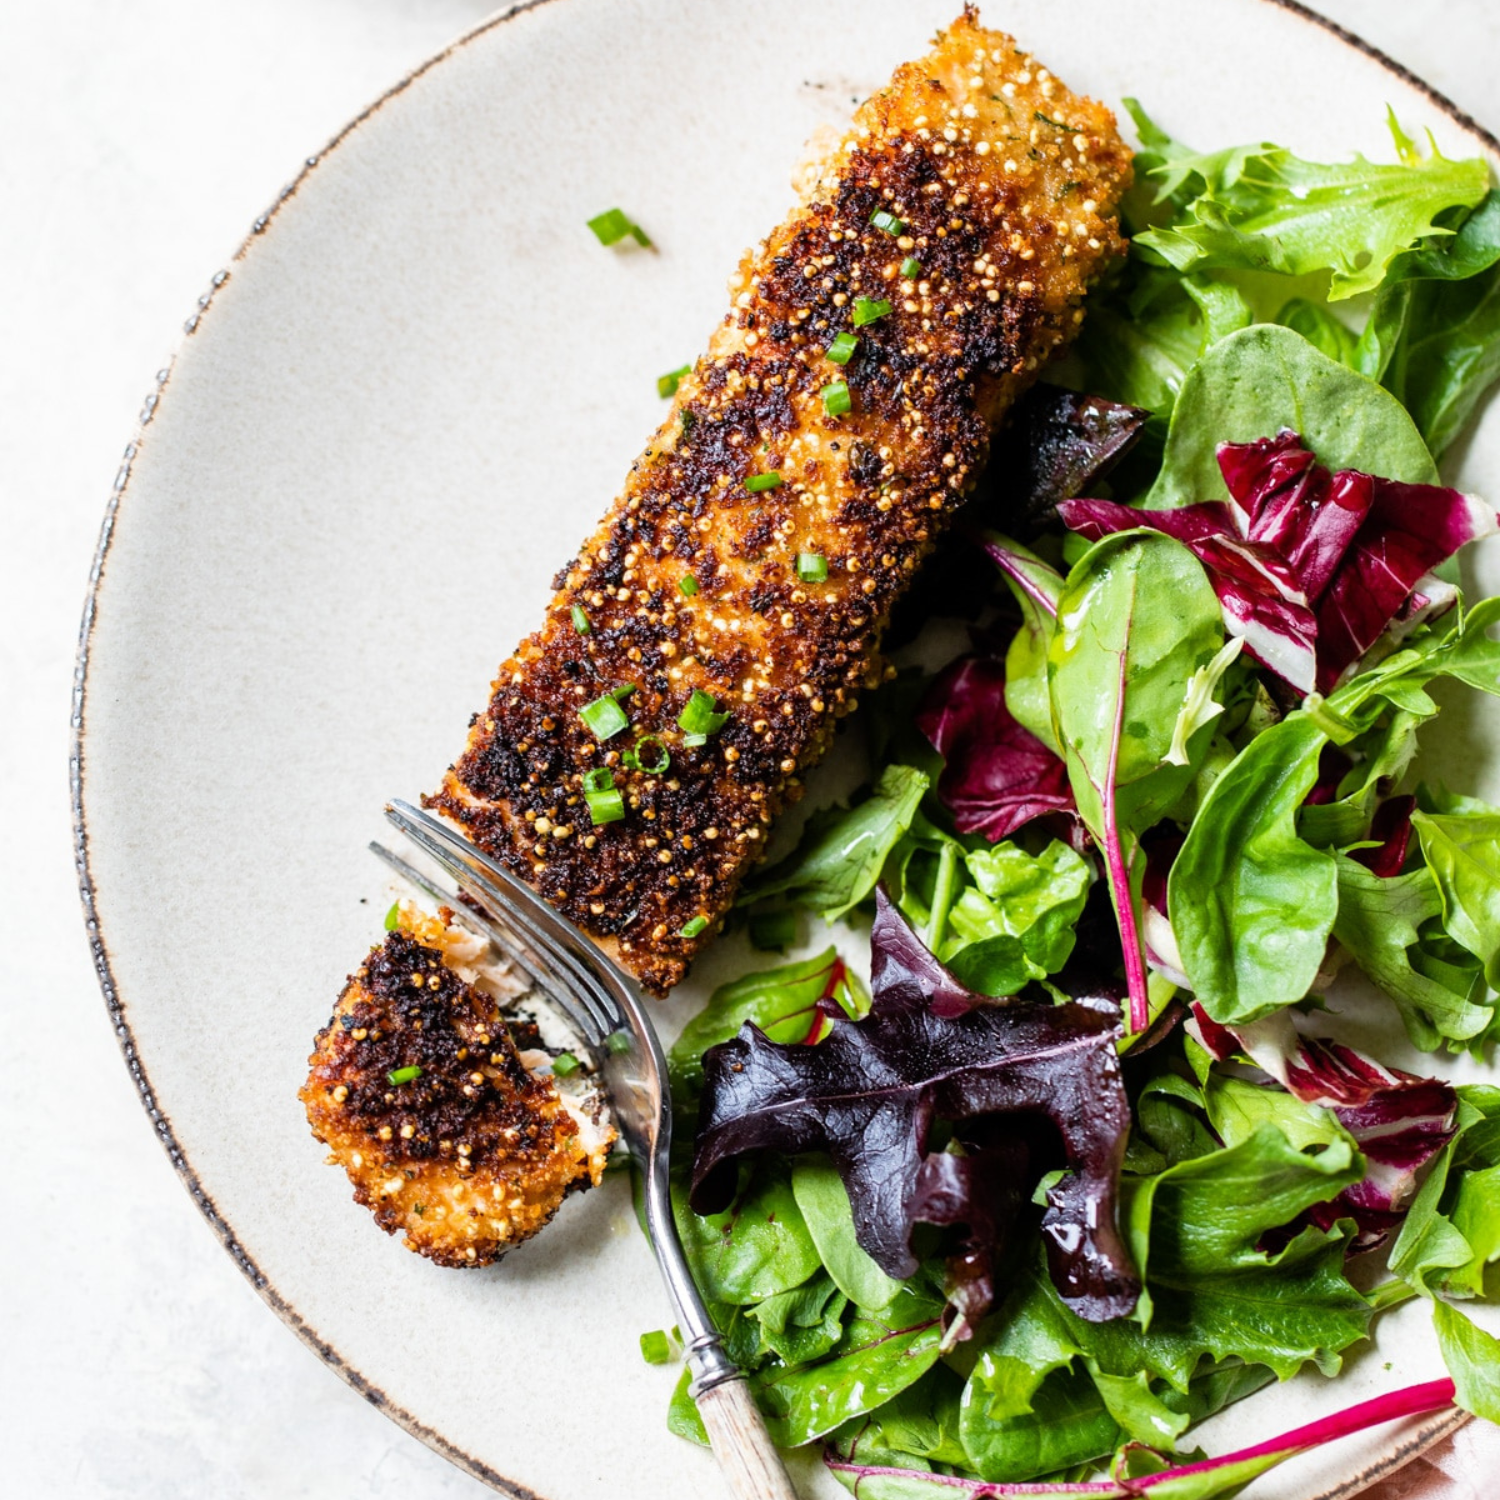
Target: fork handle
{"points": [[747, 1456]]}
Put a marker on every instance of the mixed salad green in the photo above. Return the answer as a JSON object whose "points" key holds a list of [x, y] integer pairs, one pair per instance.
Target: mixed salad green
{"points": [[1079, 1168]]}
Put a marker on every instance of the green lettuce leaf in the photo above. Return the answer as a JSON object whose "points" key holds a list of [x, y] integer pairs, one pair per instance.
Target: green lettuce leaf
{"points": [[1462, 850], [1259, 208], [842, 850]]}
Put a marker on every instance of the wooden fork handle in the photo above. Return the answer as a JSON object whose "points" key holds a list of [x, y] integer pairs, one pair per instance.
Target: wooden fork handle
{"points": [[746, 1454]]}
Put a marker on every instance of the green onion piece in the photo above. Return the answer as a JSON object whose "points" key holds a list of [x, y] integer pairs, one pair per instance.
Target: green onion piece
{"points": [[885, 222], [393, 917], [398, 1076], [688, 585], [654, 746], [564, 1065], [605, 806], [613, 225], [841, 350], [656, 1349], [598, 780], [581, 620], [836, 400], [911, 268], [812, 567], [867, 311], [773, 931], [625, 689], [692, 741], [768, 481], [666, 385], [700, 716], [618, 1041], [604, 717], [693, 928]]}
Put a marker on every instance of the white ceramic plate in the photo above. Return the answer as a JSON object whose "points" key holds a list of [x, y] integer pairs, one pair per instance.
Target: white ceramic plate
{"points": [[410, 394]]}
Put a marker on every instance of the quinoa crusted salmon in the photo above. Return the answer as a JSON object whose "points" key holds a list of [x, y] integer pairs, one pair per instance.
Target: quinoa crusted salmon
{"points": [[449, 1119], [729, 607]]}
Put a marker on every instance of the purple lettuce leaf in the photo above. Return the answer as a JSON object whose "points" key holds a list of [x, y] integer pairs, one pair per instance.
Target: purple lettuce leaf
{"points": [[997, 775], [1399, 1121], [1057, 444], [868, 1094]]}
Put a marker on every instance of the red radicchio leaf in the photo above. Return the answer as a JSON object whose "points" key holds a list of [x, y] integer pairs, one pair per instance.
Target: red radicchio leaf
{"points": [[1390, 828], [1310, 567], [1400, 1121], [997, 775], [868, 1095]]}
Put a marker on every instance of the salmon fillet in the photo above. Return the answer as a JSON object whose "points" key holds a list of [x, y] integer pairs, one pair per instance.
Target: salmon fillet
{"points": [[952, 233], [451, 1132]]}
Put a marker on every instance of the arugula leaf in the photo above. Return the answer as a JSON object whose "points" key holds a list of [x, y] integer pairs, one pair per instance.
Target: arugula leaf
{"points": [[1261, 208], [842, 850], [1462, 851], [792, 1003], [1252, 904], [1136, 618], [1380, 922], [757, 1247], [1264, 378]]}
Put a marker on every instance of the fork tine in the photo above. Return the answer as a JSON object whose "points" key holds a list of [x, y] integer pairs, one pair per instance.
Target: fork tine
{"points": [[502, 897]]}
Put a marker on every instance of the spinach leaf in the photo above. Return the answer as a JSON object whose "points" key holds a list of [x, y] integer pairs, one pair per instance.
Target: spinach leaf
{"points": [[1036, 587], [879, 1355], [842, 851], [803, 1324], [756, 1247], [1067, 1423], [1462, 851], [1137, 617], [789, 1004], [1250, 903], [1255, 382], [1380, 922], [1260, 208], [824, 1201], [1473, 1360], [921, 1423]]}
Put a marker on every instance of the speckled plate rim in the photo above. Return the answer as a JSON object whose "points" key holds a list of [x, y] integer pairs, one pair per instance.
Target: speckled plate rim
{"points": [[1417, 1441]]}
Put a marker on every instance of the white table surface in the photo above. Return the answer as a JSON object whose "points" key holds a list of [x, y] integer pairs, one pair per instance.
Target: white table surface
{"points": [[137, 143]]}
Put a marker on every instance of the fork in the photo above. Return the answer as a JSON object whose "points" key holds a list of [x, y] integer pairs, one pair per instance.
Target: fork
{"points": [[588, 988]]}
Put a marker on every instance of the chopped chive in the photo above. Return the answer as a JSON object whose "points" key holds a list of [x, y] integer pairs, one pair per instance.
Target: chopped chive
{"points": [[692, 741], [885, 222], [581, 620], [700, 716], [773, 931], [618, 1041], [767, 481], [655, 1347], [693, 928], [654, 746], [688, 585], [911, 268], [564, 1065], [836, 400], [812, 567], [605, 806], [841, 350], [867, 310], [1046, 120], [666, 385], [398, 1076], [604, 717], [598, 780], [613, 225], [393, 917], [625, 689]]}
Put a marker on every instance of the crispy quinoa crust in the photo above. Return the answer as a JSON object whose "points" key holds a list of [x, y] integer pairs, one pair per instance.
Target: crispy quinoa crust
{"points": [[471, 1157], [1005, 186]]}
